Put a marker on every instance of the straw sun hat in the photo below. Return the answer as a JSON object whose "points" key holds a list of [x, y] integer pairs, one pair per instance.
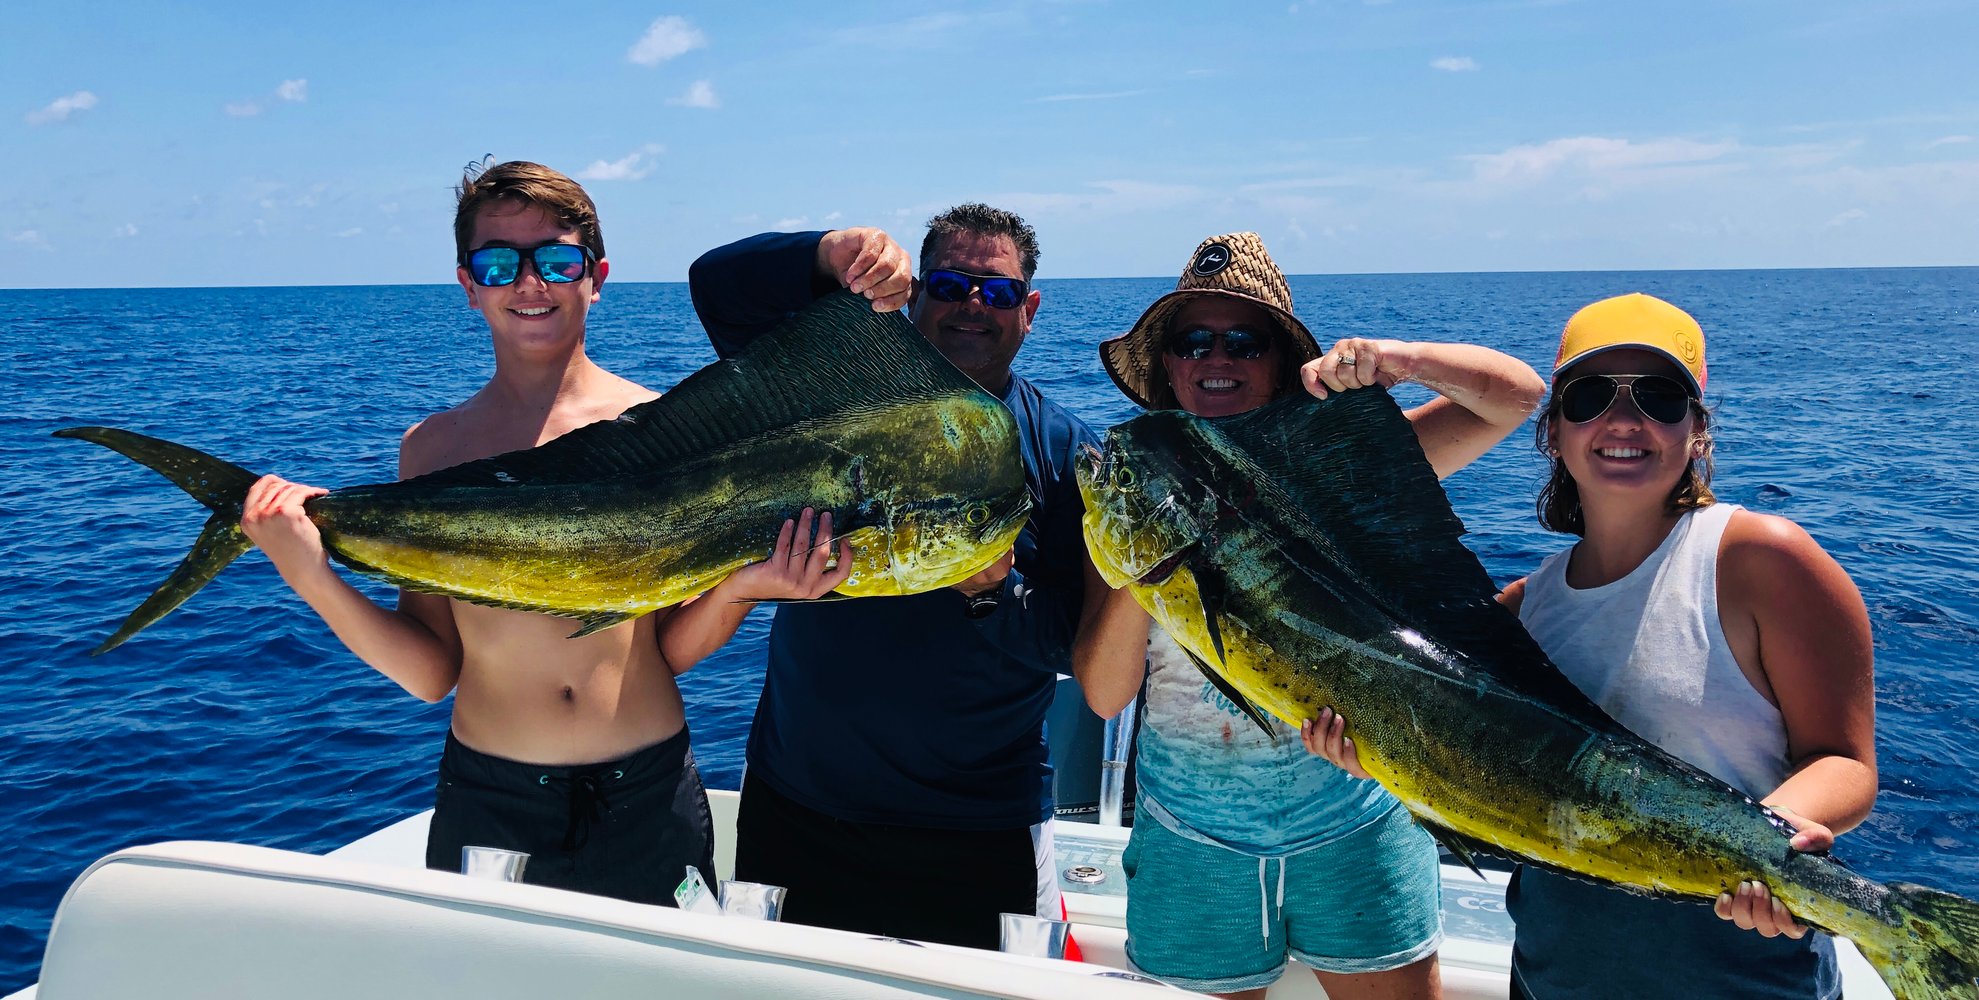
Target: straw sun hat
{"points": [[1235, 265]]}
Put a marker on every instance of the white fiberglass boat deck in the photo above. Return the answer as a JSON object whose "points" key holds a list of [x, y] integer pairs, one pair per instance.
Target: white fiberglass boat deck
{"points": [[196, 919]]}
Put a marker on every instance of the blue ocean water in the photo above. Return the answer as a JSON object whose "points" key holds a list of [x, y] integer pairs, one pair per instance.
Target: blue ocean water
{"points": [[1843, 400]]}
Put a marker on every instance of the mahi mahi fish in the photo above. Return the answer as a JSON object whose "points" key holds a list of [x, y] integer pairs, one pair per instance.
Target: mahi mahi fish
{"points": [[840, 409], [1306, 557]]}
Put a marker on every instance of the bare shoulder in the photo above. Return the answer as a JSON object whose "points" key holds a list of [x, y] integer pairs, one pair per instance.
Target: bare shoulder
{"points": [[1765, 544], [439, 441], [1768, 561], [623, 395]]}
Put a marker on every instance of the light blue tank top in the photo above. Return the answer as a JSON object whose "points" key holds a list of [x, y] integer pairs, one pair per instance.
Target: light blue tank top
{"points": [[1208, 772]]}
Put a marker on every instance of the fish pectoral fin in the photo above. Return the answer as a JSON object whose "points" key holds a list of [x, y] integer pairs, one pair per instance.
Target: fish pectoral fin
{"points": [[830, 595], [600, 621], [1210, 591], [1460, 847], [1236, 697]]}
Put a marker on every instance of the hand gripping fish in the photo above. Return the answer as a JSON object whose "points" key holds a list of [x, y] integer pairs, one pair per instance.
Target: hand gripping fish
{"points": [[1306, 556], [841, 409]]}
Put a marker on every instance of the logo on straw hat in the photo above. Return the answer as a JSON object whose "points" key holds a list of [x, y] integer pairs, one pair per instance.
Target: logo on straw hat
{"points": [[1210, 259]]}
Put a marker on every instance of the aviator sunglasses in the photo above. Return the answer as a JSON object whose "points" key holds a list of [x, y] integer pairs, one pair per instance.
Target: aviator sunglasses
{"points": [[1240, 343], [556, 263], [1659, 397], [954, 286]]}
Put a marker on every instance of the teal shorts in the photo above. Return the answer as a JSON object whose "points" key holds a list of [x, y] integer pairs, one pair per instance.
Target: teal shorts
{"points": [[1213, 920]]}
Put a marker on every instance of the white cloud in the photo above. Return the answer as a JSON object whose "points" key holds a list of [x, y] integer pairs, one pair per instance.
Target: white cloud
{"points": [[668, 37], [633, 166], [29, 237], [1593, 154], [125, 231], [1111, 95], [62, 107], [700, 94], [352, 231], [791, 223], [1454, 64], [288, 90], [835, 216], [1804, 155], [1948, 140], [940, 30], [1845, 218], [1304, 183], [1104, 197]]}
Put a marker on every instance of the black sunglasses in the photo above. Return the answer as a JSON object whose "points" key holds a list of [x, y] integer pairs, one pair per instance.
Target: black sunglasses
{"points": [[954, 286], [1659, 397], [1240, 343], [556, 263]]}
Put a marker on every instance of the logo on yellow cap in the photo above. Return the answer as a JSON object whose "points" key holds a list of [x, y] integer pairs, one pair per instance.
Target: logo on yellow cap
{"points": [[1634, 320]]}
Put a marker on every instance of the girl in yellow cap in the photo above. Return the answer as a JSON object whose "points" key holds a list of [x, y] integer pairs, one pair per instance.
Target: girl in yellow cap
{"points": [[1724, 636]]}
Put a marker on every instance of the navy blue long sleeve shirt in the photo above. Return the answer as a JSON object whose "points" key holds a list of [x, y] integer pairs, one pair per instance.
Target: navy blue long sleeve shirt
{"points": [[902, 710]]}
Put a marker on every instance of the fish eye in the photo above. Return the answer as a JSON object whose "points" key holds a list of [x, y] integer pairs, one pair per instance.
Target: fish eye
{"points": [[978, 514], [1123, 476]]}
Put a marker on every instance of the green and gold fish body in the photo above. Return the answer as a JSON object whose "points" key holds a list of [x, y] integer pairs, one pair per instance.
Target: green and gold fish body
{"points": [[1304, 555], [919, 467], [912, 519]]}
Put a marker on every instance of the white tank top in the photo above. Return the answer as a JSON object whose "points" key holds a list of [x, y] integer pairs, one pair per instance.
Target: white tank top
{"points": [[1650, 650]]}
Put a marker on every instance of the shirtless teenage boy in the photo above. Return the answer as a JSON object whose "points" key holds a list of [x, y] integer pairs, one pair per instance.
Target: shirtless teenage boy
{"points": [[572, 750]]}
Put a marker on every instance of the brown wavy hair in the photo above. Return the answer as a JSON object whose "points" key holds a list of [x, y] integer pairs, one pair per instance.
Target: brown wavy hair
{"points": [[1559, 499], [525, 183]]}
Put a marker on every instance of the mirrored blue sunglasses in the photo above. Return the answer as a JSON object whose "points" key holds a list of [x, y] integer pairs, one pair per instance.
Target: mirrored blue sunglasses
{"points": [[556, 263], [954, 286]]}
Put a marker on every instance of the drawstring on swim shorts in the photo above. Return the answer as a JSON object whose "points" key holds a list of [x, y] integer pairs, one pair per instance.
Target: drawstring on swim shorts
{"points": [[1264, 897], [588, 803]]}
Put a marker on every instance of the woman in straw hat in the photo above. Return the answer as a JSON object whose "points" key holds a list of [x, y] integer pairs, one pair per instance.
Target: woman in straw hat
{"points": [[1726, 637], [1248, 850]]}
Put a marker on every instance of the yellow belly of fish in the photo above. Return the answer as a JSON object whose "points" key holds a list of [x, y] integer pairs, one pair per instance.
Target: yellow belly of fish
{"points": [[879, 561], [1292, 695], [1250, 665]]}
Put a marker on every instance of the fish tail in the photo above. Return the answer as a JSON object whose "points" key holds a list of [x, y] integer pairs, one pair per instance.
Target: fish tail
{"points": [[221, 486], [1933, 951]]}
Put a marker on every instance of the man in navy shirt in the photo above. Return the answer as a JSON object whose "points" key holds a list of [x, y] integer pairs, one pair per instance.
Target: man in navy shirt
{"points": [[897, 778]]}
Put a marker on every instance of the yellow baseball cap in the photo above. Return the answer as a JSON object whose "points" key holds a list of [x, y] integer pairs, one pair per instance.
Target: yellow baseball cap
{"points": [[1635, 320]]}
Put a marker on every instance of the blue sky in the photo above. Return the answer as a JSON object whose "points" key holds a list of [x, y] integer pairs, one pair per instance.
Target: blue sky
{"points": [[249, 144]]}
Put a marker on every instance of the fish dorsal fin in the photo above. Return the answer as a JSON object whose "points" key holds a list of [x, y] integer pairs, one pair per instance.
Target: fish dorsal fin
{"points": [[1361, 490], [835, 354]]}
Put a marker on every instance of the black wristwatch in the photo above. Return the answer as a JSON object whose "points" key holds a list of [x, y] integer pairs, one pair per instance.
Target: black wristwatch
{"points": [[980, 606]]}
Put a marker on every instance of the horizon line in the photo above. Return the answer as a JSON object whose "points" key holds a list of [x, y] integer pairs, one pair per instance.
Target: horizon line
{"points": [[1116, 277]]}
